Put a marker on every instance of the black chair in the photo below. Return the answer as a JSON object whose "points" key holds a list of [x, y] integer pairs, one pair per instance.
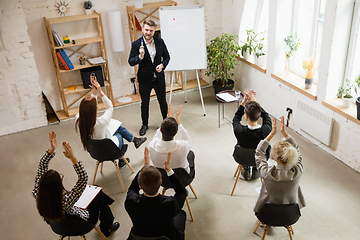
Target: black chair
{"points": [[245, 157], [278, 215], [106, 150], [184, 177], [72, 225], [134, 237]]}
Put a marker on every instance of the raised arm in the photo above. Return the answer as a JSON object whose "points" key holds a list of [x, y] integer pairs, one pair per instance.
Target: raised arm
{"points": [[134, 56]]}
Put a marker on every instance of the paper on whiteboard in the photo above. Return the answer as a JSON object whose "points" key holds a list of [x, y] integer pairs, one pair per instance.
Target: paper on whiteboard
{"points": [[113, 126], [178, 24], [227, 97]]}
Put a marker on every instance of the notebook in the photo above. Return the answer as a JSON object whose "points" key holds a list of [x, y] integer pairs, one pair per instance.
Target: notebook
{"points": [[87, 196]]}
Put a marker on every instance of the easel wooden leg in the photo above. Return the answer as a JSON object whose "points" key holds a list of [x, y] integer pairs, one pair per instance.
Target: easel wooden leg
{"points": [[96, 168], [127, 163], [188, 204], [119, 175], [237, 179]]}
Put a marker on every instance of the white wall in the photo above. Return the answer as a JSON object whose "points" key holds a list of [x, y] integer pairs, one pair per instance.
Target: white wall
{"points": [[276, 97]]}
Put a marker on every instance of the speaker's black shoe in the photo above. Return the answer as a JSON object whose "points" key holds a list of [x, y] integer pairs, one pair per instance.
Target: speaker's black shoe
{"points": [[143, 129], [138, 141]]}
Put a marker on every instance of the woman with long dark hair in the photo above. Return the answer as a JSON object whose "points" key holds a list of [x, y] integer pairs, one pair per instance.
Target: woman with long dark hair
{"points": [[92, 127], [53, 201]]}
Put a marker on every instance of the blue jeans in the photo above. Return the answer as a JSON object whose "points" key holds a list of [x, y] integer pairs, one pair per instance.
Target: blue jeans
{"points": [[121, 133]]}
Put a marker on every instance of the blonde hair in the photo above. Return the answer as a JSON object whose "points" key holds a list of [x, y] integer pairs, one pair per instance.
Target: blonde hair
{"points": [[285, 153]]}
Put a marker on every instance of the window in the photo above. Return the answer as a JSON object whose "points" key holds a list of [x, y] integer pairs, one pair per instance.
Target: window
{"points": [[262, 16], [353, 60], [308, 18]]}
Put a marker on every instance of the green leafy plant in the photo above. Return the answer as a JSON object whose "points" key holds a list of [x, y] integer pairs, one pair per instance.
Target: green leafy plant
{"points": [[88, 4], [251, 42], [259, 49], [221, 57], [292, 43], [357, 83], [345, 90]]}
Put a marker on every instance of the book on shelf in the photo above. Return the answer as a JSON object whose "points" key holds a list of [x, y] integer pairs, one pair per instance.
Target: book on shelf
{"points": [[62, 60], [57, 39], [71, 88], [66, 58]]}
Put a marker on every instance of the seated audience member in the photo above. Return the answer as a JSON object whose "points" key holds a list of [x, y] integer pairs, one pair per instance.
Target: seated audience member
{"points": [[151, 213], [164, 142], [280, 182], [53, 201], [249, 136], [93, 127]]}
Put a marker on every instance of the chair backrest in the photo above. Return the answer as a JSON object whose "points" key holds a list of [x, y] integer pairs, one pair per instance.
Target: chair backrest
{"points": [[105, 149], [244, 156], [180, 172], [134, 237], [279, 214], [70, 225]]}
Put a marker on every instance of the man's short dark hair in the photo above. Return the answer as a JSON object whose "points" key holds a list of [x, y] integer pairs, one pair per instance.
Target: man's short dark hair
{"points": [[149, 179], [169, 128], [149, 22], [253, 110]]}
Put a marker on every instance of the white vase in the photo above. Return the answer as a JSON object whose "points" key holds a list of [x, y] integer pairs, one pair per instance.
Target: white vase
{"points": [[138, 3], [248, 56], [260, 61], [347, 102], [88, 11]]}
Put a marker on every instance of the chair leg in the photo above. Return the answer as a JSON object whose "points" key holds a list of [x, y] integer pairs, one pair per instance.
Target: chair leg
{"points": [[265, 231], [83, 237], [100, 233], [257, 226], [237, 169], [261, 179], [193, 191], [292, 230], [127, 163], [237, 179], [163, 192], [188, 204], [96, 168], [68, 237], [61, 237], [289, 228], [101, 166], [119, 175]]}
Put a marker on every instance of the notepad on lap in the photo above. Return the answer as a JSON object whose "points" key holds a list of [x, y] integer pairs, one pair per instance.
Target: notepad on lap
{"points": [[87, 196], [113, 126], [227, 97]]}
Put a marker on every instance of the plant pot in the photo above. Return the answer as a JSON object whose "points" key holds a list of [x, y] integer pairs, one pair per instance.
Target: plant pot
{"points": [[218, 87], [260, 61], [248, 56], [308, 83], [347, 102], [358, 108], [88, 11], [138, 3]]}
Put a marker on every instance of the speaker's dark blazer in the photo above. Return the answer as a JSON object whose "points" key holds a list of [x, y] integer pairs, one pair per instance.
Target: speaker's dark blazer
{"points": [[146, 67], [154, 216]]}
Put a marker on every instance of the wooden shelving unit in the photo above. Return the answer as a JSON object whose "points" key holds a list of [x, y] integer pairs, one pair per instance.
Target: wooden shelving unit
{"points": [[68, 110]]}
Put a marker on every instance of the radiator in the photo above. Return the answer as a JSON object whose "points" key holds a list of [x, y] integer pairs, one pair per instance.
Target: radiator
{"points": [[314, 122]]}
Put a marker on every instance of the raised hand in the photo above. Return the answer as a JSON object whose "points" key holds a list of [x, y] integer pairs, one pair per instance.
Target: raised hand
{"points": [[142, 52], [146, 157], [167, 163], [273, 130], [53, 142], [282, 128], [68, 152], [178, 114], [169, 113], [96, 86]]}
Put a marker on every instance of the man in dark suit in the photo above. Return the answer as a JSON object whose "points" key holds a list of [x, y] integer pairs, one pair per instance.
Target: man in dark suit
{"points": [[152, 56], [151, 213]]}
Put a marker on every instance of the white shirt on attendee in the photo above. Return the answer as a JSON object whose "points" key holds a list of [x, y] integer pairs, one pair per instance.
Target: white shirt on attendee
{"points": [[179, 149]]}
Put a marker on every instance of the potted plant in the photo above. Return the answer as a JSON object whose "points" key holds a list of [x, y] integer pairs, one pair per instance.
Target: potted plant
{"points": [[260, 53], [88, 5], [291, 45], [222, 53], [356, 86], [344, 91], [249, 46], [310, 69]]}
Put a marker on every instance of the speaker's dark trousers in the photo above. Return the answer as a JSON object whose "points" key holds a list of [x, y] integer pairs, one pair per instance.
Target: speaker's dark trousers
{"points": [[145, 90]]}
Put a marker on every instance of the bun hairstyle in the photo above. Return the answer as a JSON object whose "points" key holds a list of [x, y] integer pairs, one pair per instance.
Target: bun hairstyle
{"points": [[285, 153]]}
